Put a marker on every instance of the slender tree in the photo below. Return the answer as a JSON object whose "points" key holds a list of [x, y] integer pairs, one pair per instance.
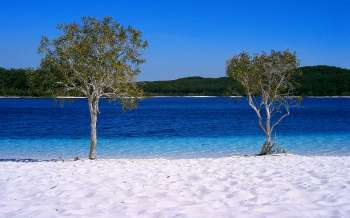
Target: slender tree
{"points": [[96, 58], [268, 81]]}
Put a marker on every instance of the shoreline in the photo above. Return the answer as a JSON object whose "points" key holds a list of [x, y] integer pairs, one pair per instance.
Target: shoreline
{"points": [[166, 158], [160, 96], [253, 186]]}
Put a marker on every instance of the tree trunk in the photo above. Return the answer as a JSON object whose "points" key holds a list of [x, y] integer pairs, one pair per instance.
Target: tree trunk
{"points": [[93, 108], [267, 146]]}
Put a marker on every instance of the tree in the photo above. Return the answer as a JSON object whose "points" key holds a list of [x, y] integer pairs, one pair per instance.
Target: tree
{"points": [[268, 82], [97, 58]]}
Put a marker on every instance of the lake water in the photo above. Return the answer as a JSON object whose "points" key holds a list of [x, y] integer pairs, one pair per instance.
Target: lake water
{"points": [[167, 127]]}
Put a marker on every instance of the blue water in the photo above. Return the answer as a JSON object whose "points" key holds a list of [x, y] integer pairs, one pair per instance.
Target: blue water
{"points": [[167, 127]]}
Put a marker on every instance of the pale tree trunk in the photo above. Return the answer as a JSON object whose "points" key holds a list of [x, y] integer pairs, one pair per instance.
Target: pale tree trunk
{"points": [[267, 146], [266, 124], [93, 108]]}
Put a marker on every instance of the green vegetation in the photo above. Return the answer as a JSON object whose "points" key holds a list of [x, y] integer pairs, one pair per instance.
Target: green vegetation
{"points": [[324, 81], [315, 81], [14, 82], [94, 58], [268, 82], [28, 82], [192, 86]]}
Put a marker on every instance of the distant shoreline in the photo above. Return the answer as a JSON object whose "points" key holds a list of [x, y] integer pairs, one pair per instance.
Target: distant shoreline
{"points": [[159, 96]]}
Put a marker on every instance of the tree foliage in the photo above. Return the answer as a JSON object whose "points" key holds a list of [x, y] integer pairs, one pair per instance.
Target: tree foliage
{"points": [[96, 58], [268, 82], [192, 86], [323, 81]]}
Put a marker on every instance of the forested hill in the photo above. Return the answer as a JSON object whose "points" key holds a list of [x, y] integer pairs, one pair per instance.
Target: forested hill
{"points": [[324, 81], [315, 81], [193, 86]]}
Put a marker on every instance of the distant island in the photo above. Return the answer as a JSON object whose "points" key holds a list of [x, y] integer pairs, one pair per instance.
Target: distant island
{"points": [[319, 80]]}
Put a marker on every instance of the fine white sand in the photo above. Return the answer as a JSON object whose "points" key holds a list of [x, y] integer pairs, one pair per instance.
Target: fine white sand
{"points": [[273, 186]]}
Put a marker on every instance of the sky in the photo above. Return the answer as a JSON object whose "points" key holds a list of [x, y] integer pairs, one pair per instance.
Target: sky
{"points": [[188, 38]]}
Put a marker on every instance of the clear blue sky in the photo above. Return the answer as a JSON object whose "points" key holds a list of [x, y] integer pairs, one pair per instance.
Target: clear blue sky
{"points": [[189, 37]]}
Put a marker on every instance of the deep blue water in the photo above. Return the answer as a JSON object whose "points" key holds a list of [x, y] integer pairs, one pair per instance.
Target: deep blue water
{"points": [[168, 127]]}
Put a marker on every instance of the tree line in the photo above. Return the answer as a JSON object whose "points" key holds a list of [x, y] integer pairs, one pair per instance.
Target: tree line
{"points": [[313, 81]]}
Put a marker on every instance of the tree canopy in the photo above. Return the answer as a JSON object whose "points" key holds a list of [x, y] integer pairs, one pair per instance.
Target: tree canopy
{"points": [[95, 58], [268, 80]]}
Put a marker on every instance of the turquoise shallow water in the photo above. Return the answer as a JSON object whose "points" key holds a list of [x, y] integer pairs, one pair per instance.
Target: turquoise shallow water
{"points": [[167, 127]]}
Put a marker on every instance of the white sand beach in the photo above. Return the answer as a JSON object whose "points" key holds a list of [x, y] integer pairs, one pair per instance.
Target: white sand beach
{"points": [[272, 186]]}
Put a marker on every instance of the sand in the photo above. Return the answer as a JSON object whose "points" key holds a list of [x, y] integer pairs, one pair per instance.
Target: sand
{"points": [[273, 186]]}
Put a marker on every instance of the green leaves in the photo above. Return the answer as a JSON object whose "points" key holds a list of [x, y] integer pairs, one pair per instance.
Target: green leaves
{"points": [[268, 83], [265, 74], [98, 58]]}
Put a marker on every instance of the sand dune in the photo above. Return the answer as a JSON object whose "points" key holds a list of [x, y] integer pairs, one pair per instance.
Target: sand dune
{"points": [[274, 186]]}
